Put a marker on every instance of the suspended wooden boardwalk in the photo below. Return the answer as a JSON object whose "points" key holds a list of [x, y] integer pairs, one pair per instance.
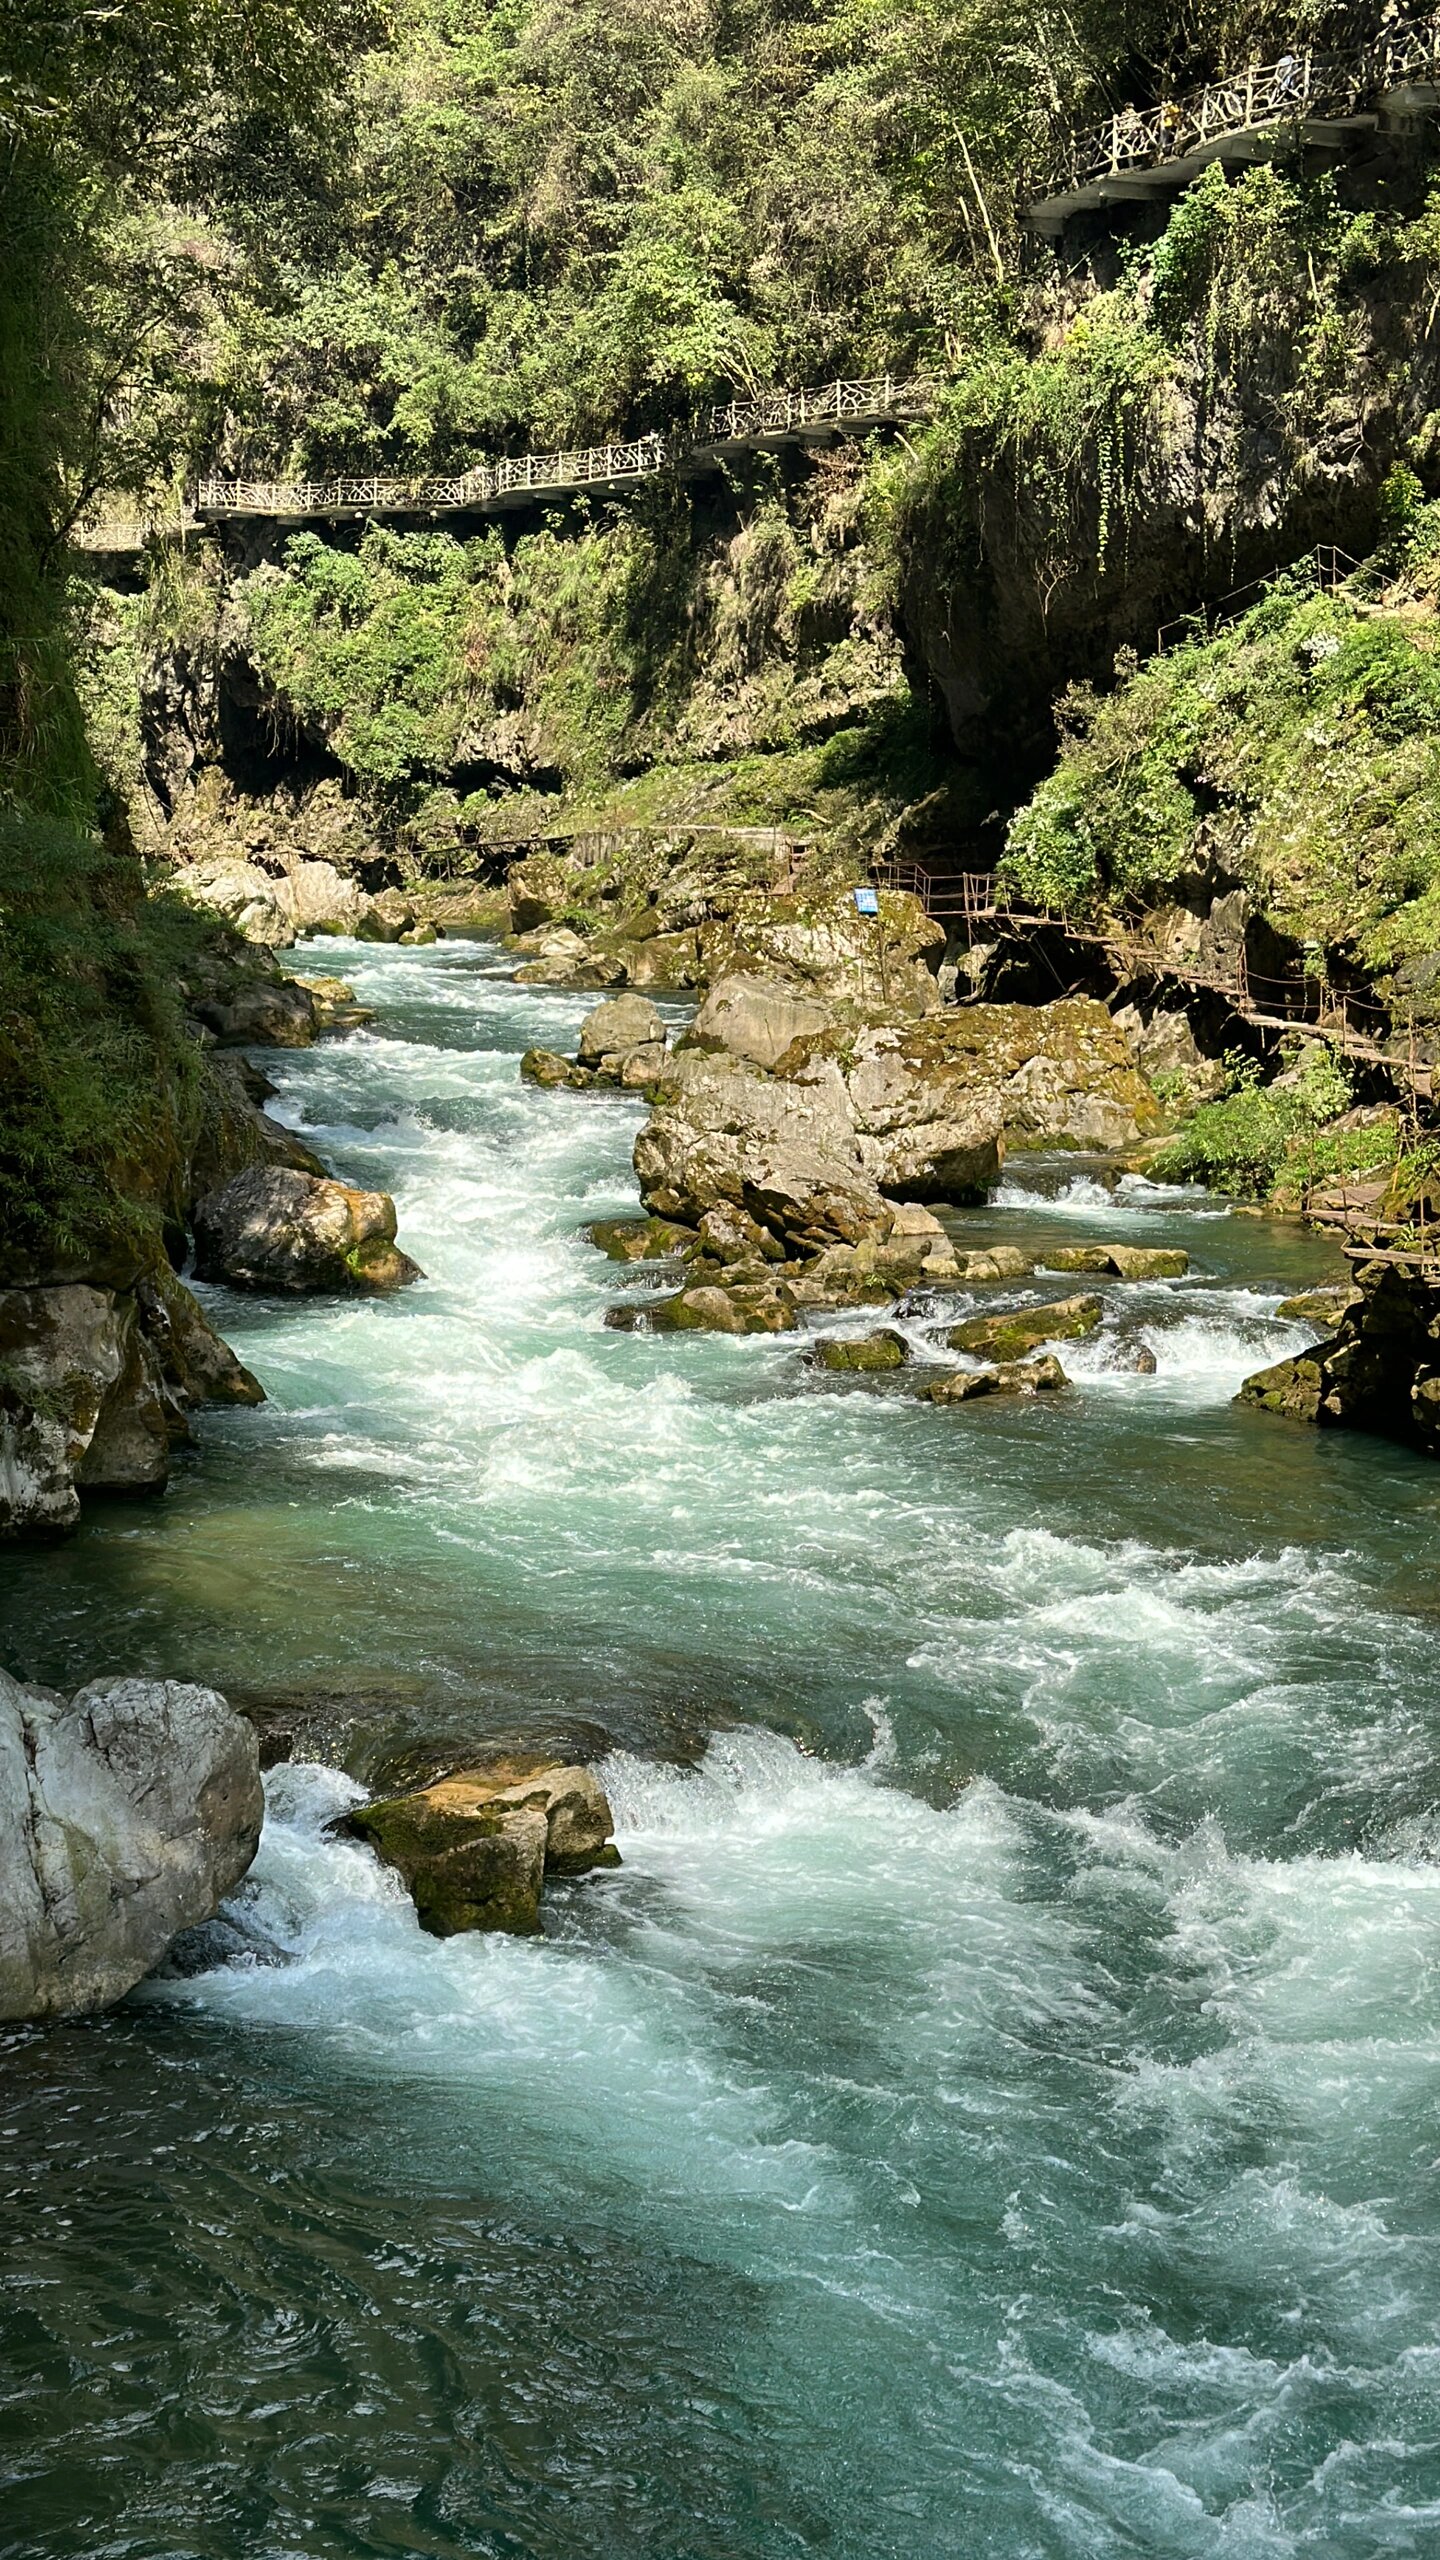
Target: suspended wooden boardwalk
{"points": [[759, 425], [1319, 99], [972, 899]]}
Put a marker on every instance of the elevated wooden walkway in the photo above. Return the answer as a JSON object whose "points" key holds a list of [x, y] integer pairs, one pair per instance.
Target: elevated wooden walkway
{"points": [[973, 899], [1318, 99], [812, 416]]}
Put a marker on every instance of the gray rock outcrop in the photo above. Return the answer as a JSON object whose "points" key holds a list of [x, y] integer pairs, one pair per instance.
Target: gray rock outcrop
{"points": [[786, 1152], [847, 1115], [616, 1028], [126, 1816], [1380, 1371], [757, 1018], [96, 1387], [276, 1228]]}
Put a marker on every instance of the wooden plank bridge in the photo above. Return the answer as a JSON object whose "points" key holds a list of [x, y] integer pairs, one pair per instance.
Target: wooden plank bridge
{"points": [[972, 900], [1319, 99], [760, 424]]}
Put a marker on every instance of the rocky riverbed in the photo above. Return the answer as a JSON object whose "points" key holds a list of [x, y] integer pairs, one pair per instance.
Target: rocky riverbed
{"points": [[1039, 1784]]}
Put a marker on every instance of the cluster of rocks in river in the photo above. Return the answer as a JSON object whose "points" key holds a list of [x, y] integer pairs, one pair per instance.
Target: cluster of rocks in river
{"points": [[797, 1141], [104, 1362]]}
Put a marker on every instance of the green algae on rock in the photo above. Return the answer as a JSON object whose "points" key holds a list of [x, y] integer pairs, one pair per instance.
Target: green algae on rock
{"points": [[864, 1353], [1010, 1336]]}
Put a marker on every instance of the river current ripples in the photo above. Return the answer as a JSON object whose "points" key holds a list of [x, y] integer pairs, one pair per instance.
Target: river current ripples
{"points": [[993, 2110]]}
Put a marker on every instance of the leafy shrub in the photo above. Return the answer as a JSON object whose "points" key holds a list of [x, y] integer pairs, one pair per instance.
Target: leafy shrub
{"points": [[1244, 1142]]}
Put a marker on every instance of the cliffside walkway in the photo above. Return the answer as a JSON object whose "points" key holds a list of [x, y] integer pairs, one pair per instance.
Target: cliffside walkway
{"points": [[972, 899], [1320, 99], [762, 424]]}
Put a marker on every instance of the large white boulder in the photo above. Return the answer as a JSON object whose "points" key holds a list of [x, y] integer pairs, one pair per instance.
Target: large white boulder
{"points": [[126, 1816]]}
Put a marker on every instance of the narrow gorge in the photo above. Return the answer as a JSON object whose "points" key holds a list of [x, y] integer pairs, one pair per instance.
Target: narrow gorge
{"points": [[719, 1322]]}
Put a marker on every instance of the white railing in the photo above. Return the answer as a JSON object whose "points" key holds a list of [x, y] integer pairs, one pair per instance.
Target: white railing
{"points": [[1299, 85], [783, 412], [489, 484]]}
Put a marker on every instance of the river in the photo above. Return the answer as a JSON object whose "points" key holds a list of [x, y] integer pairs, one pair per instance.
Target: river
{"points": [[994, 2108]]}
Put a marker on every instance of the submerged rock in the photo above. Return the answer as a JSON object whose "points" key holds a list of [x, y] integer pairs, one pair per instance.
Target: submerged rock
{"points": [[272, 1228], [474, 1848], [1022, 1329], [125, 1816], [1005, 1378]]}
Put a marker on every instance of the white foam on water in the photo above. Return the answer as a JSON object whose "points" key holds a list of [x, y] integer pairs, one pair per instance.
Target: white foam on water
{"points": [[1080, 2152], [663, 2043]]}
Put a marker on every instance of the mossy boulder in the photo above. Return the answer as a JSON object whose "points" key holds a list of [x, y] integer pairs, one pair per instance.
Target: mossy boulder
{"points": [[1117, 1261], [542, 889], [747, 1307], [1380, 1371], [336, 1005], [1294, 1388], [866, 1354], [474, 1848], [1089, 1258], [997, 1262], [274, 1228], [642, 1239], [553, 1073], [1022, 1330], [1321, 1307], [1148, 1262]]}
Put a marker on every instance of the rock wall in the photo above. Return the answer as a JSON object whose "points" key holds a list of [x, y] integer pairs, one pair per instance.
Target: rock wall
{"points": [[1380, 1371]]}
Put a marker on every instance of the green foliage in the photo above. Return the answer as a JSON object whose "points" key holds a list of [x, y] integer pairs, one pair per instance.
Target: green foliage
{"points": [[100, 110], [100, 1077], [1245, 1142], [1300, 746], [576, 652]]}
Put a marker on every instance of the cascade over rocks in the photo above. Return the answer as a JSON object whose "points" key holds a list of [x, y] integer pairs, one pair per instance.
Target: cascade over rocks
{"points": [[125, 1816], [274, 1228]]}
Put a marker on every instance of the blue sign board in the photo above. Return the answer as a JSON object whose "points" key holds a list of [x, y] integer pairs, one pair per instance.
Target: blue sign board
{"points": [[867, 902]]}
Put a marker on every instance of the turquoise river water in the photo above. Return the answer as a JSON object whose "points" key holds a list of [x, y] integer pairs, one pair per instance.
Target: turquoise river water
{"points": [[994, 2108]]}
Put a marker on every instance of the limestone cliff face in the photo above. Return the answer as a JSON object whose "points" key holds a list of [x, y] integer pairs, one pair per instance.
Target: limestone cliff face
{"points": [[333, 712], [1027, 560]]}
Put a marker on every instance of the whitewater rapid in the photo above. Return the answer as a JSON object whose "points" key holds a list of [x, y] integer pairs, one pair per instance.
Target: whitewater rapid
{"points": [[992, 2108]]}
